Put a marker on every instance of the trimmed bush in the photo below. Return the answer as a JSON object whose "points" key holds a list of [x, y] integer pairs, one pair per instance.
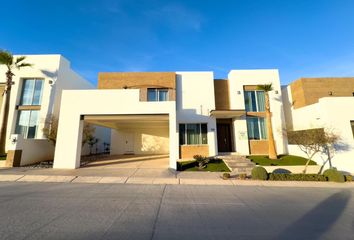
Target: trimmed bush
{"points": [[348, 178], [296, 177], [333, 175], [281, 170], [259, 173], [226, 176]]}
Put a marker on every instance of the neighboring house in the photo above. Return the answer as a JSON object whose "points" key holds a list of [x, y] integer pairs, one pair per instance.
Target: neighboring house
{"points": [[323, 103], [177, 113], [36, 95]]}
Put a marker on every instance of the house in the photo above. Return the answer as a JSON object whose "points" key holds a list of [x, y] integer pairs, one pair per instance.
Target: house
{"points": [[35, 96], [176, 113], [326, 103]]}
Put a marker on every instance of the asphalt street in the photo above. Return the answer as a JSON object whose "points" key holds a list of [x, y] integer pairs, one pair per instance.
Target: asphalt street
{"points": [[128, 211]]}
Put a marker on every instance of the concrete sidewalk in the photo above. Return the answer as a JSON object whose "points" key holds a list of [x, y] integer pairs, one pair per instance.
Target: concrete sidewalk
{"points": [[150, 176]]}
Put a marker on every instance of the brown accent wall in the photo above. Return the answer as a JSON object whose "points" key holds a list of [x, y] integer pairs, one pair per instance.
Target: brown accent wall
{"points": [[222, 94], [13, 158], [188, 151], [307, 91], [258, 147], [250, 87], [139, 80]]}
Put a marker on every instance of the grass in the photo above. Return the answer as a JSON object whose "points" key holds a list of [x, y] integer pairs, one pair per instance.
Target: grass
{"points": [[283, 160], [2, 157], [214, 165]]}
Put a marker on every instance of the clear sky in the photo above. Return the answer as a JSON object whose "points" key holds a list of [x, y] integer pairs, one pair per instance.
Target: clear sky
{"points": [[301, 38]]}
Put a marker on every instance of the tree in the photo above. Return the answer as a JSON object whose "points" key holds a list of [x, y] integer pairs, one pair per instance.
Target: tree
{"points": [[7, 59], [313, 141], [271, 143], [50, 131]]}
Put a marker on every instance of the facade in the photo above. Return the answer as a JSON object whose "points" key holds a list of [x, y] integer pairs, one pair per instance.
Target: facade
{"points": [[35, 95], [181, 114], [326, 103]]}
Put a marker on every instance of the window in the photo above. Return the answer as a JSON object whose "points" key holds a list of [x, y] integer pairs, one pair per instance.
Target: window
{"points": [[27, 123], [255, 101], [352, 125], [157, 94], [256, 128], [31, 92], [193, 134]]}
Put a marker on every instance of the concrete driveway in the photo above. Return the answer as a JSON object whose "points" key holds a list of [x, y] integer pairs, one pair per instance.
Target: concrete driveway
{"points": [[130, 161]]}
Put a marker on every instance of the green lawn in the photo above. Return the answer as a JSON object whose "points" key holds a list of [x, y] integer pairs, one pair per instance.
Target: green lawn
{"points": [[3, 157], [215, 165], [283, 160]]}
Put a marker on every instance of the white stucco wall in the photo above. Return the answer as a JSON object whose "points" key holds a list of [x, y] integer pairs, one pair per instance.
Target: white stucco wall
{"points": [[146, 140], [195, 99], [332, 113], [76, 103], [237, 80], [55, 70]]}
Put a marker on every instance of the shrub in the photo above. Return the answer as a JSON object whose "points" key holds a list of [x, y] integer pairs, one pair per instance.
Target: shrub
{"points": [[242, 176], [201, 161], [333, 175], [296, 177], [259, 173], [281, 170], [348, 178], [226, 176]]}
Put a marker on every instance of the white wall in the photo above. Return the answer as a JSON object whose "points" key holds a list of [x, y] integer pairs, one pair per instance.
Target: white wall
{"points": [[146, 140], [237, 80], [195, 99], [57, 75], [334, 114], [33, 150], [76, 103]]}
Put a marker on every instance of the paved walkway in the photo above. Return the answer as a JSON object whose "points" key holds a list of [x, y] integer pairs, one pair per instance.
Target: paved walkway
{"points": [[182, 178]]}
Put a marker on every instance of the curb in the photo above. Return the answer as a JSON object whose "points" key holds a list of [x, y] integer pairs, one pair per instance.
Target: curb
{"points": [[169, 181]]}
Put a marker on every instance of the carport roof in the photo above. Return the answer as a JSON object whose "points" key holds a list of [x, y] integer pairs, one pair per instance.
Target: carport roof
{"points": [[120, 121]]}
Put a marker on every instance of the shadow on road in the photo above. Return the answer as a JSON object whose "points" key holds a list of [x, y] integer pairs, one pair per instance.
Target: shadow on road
{"points": [[318, 220]]}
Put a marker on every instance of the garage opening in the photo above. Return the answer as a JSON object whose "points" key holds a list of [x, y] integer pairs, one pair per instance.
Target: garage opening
{"points": [[134, 141]]}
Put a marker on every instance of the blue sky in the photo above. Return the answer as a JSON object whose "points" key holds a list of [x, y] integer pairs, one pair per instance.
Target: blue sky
{"points": [[302, 38]]}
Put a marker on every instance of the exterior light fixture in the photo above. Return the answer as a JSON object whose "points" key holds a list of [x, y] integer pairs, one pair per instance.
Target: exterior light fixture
{"points": [[276, 91], [238, 92], [330, 93]]}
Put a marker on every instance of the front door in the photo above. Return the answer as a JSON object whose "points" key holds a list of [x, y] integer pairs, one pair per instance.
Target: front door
{"points": [[224, 137], [128, 143]]}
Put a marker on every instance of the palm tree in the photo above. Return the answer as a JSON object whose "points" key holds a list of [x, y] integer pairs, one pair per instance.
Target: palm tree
{"points": [[271, 144], [7, 59]]}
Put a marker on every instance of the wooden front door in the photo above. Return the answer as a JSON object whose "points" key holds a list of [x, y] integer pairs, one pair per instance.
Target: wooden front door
{"points": [[224, 137]]}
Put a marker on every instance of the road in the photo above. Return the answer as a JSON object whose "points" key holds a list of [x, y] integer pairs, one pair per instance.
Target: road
{"points": [[117, 211]]}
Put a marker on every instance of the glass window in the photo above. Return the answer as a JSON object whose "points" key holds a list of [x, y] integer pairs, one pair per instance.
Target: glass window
{"points": [[182, 134], [254, 101], [27, 123], [256, 128], [152, 95], [31, 92], [193, 134], [157, 94]]}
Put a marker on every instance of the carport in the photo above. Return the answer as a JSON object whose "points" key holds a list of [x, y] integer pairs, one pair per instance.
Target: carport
{"points": [[138, 127]]}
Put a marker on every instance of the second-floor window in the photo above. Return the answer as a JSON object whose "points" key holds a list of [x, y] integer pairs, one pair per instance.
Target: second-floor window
{"points": [[254, 101], [157, 94], [31, 92]]}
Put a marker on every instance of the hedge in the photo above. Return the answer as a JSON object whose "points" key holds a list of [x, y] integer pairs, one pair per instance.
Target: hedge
{"points": [[259, 173], [296, 177]]}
